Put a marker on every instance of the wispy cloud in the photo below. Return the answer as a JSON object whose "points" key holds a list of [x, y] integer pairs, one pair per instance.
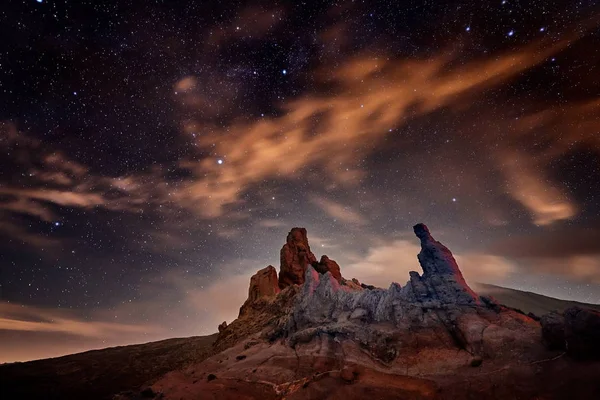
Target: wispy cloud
{"points": [[26, 318], [338, 211]]}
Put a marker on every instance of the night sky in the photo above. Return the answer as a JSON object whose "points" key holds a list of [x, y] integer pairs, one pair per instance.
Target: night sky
{"points": [[154, 154]]}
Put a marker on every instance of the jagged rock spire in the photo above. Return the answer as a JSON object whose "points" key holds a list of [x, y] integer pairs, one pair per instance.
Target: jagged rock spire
{"points": [[441, 275], [295, 257]]}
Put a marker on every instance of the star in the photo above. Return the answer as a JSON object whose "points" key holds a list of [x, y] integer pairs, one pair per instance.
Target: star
{"points": [[468, 29], [454, 199], [284, 72], [57, 223], [219, 161], [510, 33]]}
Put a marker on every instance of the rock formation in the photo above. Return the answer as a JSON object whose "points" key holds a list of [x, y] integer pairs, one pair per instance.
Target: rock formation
{"points": [[577, 331], [263, 283], [442, 278], [328, 265], [310, 332], [295, 257]]}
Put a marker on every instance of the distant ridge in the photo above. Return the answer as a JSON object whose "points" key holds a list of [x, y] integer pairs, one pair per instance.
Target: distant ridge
{"points": [[528, 301]]}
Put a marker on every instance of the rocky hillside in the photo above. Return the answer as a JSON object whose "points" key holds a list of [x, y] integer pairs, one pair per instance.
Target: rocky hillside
{"points": [[306, 332], [99, 374], [529, 302]]}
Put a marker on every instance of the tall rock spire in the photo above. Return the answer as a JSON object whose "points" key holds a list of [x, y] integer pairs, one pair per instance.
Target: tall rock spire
{"points": [[441, 275], [295, 257]]}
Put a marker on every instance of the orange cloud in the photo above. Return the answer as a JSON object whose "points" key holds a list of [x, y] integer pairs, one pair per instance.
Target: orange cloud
{"points": [[331, 132], [528, 186], [24, 318], [338, 211]]}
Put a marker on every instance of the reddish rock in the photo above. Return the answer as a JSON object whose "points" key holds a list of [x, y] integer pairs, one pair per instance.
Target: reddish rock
{"points": [[348, 374], [223, 326], [328, 265], [295, 257], [262, 284]]}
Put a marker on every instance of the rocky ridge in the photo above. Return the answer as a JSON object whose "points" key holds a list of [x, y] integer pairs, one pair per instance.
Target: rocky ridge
{"points": [[309, 331]]}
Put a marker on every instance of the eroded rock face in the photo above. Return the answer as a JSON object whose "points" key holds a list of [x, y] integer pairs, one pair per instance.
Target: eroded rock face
{"points": [[328, 265], [295, 257], [441, 276], [262, 284], [434, 309]]}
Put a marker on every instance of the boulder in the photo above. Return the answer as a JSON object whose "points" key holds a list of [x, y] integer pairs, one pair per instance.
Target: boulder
{"points": [[222, 326], [582, 333], [553, 331]]}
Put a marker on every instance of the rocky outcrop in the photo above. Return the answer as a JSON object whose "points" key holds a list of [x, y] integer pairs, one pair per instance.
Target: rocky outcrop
{"points": [[262, 284], [553, 331], [442, 280], [428, 338], [328, 265], [295, 256], [577, 331], [582, 332]]}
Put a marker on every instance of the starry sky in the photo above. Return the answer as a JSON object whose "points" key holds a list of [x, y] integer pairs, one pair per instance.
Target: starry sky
{"points": [[154, 154]]}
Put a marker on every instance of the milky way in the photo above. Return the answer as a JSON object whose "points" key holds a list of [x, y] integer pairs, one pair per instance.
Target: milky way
{"points": [[155, 154]]}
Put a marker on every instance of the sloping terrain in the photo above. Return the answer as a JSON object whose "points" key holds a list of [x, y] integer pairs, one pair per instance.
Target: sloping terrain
{"points": [[98, 374], [528, 301], [311, 334]]}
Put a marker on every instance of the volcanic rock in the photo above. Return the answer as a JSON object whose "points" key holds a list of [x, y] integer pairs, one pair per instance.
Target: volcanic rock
{"points": [[577, 331], [415, 341], [222, 326], [262, 284], [295, 256], [553, 331], [582, 333], [441, 275], [328, 265]]}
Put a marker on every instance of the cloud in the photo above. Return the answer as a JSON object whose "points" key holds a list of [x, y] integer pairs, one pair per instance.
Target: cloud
{"points": [[572, 252], [329, 132], [338, 211], [528, 186], [567, 242], [50, 180], [31, 319], [577, 268]]}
